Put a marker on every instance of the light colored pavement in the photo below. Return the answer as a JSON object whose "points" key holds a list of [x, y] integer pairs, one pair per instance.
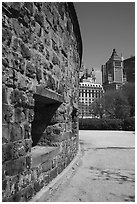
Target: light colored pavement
{"points": [[107, 170]]}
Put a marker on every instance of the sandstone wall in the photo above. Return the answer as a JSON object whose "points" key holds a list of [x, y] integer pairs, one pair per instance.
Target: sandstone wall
{"points": [[41, 58]]}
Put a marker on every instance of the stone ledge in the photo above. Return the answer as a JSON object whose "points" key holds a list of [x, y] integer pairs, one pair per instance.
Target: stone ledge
{"points": [[40, 154], [47, 96]]}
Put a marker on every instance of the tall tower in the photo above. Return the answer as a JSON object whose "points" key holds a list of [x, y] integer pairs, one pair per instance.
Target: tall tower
{"points": [[112, 72]]}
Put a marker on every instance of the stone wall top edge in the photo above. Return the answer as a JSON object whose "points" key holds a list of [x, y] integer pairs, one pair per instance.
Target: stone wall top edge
{"points": [[75, 22]]}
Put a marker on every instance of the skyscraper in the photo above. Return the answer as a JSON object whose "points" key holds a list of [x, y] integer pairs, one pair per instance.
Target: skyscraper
{"points": [[129, 69], [112, 72]]}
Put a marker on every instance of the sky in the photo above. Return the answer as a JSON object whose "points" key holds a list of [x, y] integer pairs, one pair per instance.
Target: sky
{"points": [[106, 26]]}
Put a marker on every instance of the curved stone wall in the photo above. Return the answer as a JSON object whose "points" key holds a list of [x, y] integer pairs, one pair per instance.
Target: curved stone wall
{"points": [[41, 58]]}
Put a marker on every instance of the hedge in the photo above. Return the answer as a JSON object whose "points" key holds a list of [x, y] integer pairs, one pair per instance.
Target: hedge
{"points": [[127, 124]]}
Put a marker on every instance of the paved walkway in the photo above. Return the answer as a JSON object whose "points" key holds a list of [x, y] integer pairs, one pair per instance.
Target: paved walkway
{"points": [[106, 172]]}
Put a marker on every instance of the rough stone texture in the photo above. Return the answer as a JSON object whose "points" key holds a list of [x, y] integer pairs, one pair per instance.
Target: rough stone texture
{"points": [[41, 50]]}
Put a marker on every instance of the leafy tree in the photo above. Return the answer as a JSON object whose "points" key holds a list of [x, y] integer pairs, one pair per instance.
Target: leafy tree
{"points": [[114, 104], [129, 91], [97, 107]]}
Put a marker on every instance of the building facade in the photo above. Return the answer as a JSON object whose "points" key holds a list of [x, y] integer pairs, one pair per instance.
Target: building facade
{"points": [[41, 58], [112, 72], [129, 69], [88, 93]]}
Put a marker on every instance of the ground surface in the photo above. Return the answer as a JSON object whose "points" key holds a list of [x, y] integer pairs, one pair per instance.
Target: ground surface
{"points": [[107, 170]]}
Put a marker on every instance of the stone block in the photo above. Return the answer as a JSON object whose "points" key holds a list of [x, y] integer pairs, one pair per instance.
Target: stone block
{"points": [[19, 115], [65, 62], [41, 47], [30, 7], [47, 54], [54, 162], [31, 101], [37, 28], [28, 161], [50, 81], [26, 52], [6, 94], [46, 166], [6, 152], [28, 145], [34, 175], [56, 130], [53, 174], [49, 18], [30, 70], [26, 19], [16, 133], [47, 40], [40, 19], [27, 130], [16, 198], [61, 10], [6, 189], [15, 167], [28, 193], [31, 85], [60, 88], [38, 5], [47, 26], [15, 96], [39, 74], [19, 98], [14, 185], [45, 178], [25, 179], [41, 180], [7, 113], [60, 169], [58, 118], [16, 6], [21, 82], [57, 72], [31, 115], [6, 35], [5, 62], [6, 128], [18, 149], [55, 46], [26, 36], [15, 43], [16, 27], [7, 78], [55, 60], [37, 186]]}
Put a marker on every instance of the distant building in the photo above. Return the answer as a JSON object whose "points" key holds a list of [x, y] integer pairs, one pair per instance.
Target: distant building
{"points": [[86, 74], [112, 72], [98, 75], [89, 91], [129, 69]]}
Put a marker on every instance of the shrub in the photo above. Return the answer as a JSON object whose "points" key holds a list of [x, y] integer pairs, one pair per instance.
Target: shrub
{"points": [[129, 124], [106, 124], [113, 124]]}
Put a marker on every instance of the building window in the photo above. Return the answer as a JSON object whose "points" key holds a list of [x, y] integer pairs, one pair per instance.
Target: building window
{"points": [[117, 63], [93, 93]]}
